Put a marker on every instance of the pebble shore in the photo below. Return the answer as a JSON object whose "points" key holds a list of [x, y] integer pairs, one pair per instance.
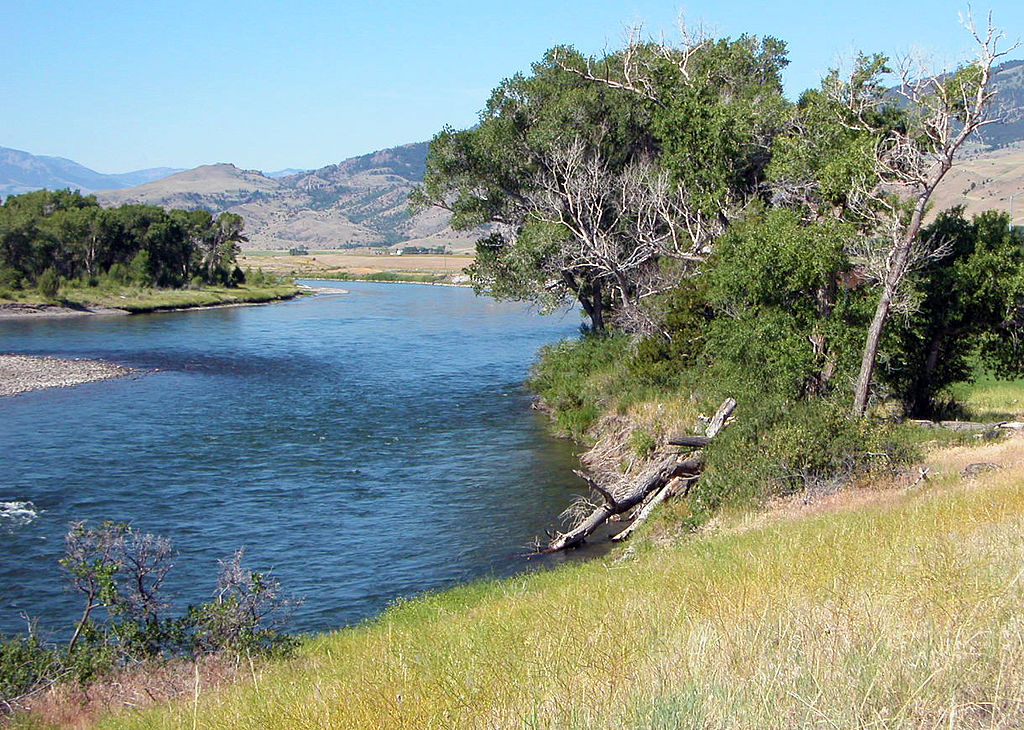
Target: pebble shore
{"points": [[22, 373]]}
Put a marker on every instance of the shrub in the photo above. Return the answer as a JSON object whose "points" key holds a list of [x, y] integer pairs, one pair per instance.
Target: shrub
{"points": [[119, 571], [118, 273], [10, 278], [810, 445], [571, 378], [48, 284], [25, 664]]}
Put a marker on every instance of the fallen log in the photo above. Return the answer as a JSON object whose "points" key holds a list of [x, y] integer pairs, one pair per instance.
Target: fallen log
{"points": [[676, 487], [695, 442], [626, 495]]}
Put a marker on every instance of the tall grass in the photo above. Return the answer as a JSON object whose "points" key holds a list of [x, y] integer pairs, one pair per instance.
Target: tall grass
{"points": [[903, 615], [989, 399]]}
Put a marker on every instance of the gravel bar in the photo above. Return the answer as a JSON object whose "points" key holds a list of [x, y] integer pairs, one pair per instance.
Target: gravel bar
{"points": [[22, 373]]}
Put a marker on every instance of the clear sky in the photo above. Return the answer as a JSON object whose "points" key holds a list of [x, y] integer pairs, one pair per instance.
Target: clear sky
{"points": [[269, 85]]}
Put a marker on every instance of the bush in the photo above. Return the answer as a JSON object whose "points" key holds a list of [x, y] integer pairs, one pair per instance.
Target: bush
{"points": [[810, 445], [118, 273], [48, 284], [25, 665], [571, 378], [118, 572], [10, 278]]}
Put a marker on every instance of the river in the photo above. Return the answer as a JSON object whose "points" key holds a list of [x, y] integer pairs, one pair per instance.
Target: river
{"points": [[365, 446]]}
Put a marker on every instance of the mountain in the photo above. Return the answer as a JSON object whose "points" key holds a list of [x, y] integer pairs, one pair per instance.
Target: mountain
{"points": [[1007, 106], [362, 201], [22, 172]]}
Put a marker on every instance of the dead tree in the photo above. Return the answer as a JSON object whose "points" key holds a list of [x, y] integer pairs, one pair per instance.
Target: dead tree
{"points": [[910, 162], [666, 478]]}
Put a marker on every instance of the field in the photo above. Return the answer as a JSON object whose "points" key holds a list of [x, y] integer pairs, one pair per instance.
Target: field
{"points": [[441, 268]]}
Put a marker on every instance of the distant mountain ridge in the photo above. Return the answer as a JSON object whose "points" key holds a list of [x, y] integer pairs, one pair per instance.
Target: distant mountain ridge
{"points": [[1007, 106], [361, 201], [23, 172]]}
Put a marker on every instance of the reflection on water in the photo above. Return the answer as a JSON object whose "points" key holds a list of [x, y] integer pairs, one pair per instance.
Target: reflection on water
{"points": [[367, 445]]}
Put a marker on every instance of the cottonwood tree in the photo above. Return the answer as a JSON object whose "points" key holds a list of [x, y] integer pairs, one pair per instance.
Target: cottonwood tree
{"points": [[599, 171]]}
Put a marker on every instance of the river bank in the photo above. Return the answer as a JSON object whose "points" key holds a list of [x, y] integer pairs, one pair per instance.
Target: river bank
{"points": [[24, 373]]}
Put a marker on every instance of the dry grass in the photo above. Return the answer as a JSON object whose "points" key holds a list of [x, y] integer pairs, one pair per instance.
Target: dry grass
{"points": [[904, 610], [71, 705], [354, 264]]}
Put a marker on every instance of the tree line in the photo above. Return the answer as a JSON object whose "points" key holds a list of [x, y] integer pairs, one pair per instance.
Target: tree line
{"points": [[679, 197], [48, 235]]}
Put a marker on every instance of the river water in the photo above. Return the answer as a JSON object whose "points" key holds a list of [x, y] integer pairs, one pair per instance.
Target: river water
{"points": [[365, 446]]}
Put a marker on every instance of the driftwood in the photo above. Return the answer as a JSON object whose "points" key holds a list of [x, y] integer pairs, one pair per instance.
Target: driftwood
{"points": [[695, 442], [652, 483]]}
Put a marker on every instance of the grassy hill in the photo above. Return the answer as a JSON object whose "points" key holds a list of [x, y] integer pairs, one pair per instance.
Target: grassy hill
{"points": [[986, 181]]}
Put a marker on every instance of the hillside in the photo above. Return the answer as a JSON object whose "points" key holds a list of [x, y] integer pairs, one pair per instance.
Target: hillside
{"points": [[22, 172], [986, 181], [361, 201], [1008, 106]]}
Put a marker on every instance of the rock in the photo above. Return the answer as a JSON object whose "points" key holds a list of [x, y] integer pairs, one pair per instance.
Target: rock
{"points": [[979, 467], [1012, 425]]}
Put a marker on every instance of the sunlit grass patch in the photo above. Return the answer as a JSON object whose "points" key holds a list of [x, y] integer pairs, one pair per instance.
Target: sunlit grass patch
{"points": [[989, 399]]}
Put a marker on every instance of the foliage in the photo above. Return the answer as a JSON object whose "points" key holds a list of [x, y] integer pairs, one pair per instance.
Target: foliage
{"points": [[778, 448], [783, 313], [966, 301], [48, 284], [25, 665], [596, 182], [571, 379], [247, 614], [139, 244]]}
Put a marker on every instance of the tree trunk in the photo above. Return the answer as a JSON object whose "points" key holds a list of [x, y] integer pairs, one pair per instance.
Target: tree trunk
{"points": [[920, 398], [867, 363]]}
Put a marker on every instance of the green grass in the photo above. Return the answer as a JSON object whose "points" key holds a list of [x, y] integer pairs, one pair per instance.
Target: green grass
{"points": [[397, 276], [988, 399], [908, 614]]}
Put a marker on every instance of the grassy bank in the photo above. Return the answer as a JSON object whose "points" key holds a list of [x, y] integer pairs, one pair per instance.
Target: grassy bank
{"points": [[386, 276], [901, 608], [146, 299]]}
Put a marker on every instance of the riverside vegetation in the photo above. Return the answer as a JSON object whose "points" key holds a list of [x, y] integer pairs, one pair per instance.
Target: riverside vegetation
{"points": [[722, 241], [60, 247]]}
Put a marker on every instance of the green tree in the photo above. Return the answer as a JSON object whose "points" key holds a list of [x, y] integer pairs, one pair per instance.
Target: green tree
{"points": [[968, 301], [587, 168]]}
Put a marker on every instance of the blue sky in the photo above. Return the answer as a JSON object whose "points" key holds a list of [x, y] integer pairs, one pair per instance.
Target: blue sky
{"points": [[268, 85]]}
